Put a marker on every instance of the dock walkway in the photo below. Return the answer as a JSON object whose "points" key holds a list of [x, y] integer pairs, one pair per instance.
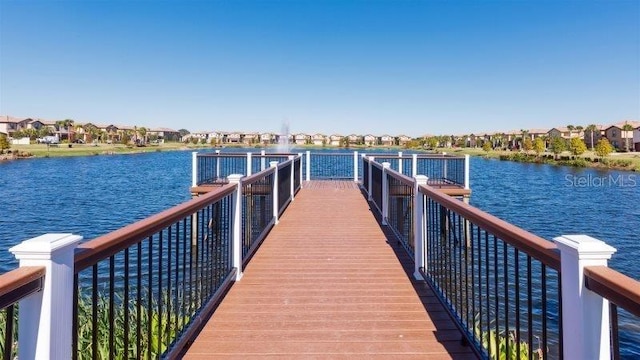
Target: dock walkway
{"points": [[327, 282]]}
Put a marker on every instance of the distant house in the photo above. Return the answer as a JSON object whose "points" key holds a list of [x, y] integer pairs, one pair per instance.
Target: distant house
{"points": [[354, 139], [618, 137], [370, 140], [565, 133], [387, 140], [403, 139], [267, 138], [233, 138], [598, 134], [636, 139], [335, 139], [301, 139], [166, 134], [251, 138], [10, 124], [537, 133], [319, 139]]}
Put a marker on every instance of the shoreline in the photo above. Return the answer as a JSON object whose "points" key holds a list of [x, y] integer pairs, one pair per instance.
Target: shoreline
{"points": [[615, 161]]}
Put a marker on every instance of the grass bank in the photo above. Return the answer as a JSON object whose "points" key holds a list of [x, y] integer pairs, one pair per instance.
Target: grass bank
{"points": [[617, 161], [63, 150]]}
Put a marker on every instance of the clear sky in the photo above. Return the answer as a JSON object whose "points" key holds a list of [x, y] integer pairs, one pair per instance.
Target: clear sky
{"points": [[397, 67]]}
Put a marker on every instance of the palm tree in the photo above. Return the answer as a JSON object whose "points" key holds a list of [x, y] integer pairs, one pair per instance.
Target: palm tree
{"points": [[570, 128], [143, 132], [67, 124], [525, 133], [592, 128], [627, 127]]}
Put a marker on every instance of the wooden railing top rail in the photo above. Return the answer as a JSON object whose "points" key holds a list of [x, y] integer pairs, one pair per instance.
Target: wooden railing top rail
{"points": [[285, 163], [404, 179], [20, 283], [614, 286], [244, 154], [248, 180], [410, 156], [100, 248], [533, 245]]}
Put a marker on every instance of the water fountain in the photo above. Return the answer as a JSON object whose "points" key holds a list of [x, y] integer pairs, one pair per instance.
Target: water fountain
{"points": [[283, 141]]}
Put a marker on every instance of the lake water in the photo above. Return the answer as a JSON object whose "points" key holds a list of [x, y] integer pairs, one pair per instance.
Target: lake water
{"points": [[91, 196]]}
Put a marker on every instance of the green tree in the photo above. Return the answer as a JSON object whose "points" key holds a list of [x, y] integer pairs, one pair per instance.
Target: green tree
{"points": [[629, 131], [433, 142], [486, 146], [4, 142], [143, 133], [558, 145], [538, 146], [591, 129], [183, 132], [570, 128], [527, 144], [577, 146], [67, 124], [604, 148], [525, 135]]}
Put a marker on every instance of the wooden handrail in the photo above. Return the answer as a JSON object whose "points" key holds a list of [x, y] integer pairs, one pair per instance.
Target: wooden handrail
{"points": [[20, 283], [406, 180], [531, 244], [89, 253], [248, 180], [614, 286]]}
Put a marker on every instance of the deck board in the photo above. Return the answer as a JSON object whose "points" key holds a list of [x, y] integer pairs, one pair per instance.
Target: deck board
{"points": [[327, 283]]}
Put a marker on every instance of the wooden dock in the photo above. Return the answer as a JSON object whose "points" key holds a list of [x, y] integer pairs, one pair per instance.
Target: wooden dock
{"points": [[329, 283]]}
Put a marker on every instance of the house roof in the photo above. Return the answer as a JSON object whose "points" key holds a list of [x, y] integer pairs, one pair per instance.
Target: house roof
{"points": [[634, 123]]}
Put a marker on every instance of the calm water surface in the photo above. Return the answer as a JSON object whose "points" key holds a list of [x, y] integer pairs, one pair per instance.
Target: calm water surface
{"points": [[91, 196]]}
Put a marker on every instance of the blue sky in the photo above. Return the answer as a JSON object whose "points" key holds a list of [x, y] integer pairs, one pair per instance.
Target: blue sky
{"points": [[397, 67]]}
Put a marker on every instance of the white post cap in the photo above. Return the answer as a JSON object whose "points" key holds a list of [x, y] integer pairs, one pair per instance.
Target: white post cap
{"points": [[43, 246], [584, 247], [234, 178], [421, 179]]}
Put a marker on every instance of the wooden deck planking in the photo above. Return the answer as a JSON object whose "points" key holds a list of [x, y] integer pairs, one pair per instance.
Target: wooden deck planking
{"points": [[326, 283]]}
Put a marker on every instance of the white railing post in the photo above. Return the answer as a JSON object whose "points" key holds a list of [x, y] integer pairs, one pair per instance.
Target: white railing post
{"points": [[371, 160], [217, 165], [194, 169], [236, 240], [263, 160], [308, 165], [385, 193], [414, 165], [419, 225], [355, 166], [293, 175], [585, 314], [249, 167], [301, 172], [45, 318], [444, 166], [400, 162], [274, 164], [466, 172]]}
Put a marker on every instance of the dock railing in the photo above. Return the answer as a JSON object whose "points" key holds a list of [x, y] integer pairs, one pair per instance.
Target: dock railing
{"points": [[441, 169], [144, 290], [513, 294]]}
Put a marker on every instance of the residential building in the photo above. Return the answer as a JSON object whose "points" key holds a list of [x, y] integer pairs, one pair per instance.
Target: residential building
{"points": [[319, 139], [620, 138], [636, 139], [335, 139], [301, 139], [387, 140], [10, 124], [598, 134], [354, 139], [267, 138], [251, 138], [403, 139], [370, 140]]}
